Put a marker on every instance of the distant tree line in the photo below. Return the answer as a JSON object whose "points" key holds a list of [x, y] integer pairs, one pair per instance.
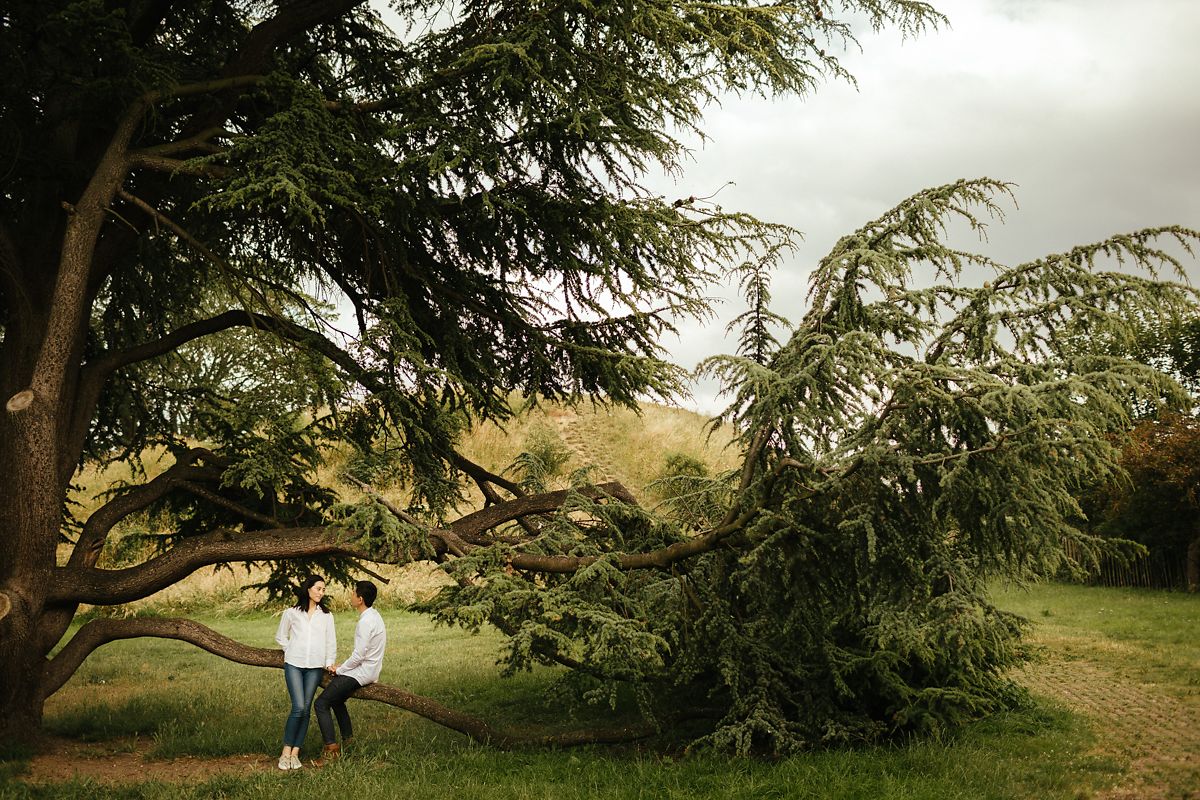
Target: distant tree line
{"points": [[1156, 503]]}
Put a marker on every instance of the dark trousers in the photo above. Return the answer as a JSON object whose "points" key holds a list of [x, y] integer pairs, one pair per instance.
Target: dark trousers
{"points": [[334, 697]]}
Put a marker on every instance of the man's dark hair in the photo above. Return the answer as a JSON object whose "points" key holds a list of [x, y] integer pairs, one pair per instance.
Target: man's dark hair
{"points": [[367, 591]]}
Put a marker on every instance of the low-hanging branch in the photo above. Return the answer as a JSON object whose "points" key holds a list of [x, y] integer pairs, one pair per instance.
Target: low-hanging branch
{"points": [[472, 526], [487, 482], [99, 632], [109, 587], [101, 522]]}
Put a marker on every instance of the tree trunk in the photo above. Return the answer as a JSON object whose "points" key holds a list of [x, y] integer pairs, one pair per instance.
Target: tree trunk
{"points": [[31, 503], [30, 522], [21, 699]]}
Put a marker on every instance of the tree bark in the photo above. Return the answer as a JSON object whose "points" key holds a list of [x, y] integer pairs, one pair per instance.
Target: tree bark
{"points": [[30, 518]]}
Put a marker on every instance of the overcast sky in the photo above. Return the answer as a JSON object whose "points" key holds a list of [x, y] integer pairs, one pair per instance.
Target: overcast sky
{"points": [[1092, 107]]}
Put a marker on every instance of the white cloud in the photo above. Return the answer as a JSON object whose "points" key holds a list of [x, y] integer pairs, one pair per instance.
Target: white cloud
{"points": [[1089, 106]]}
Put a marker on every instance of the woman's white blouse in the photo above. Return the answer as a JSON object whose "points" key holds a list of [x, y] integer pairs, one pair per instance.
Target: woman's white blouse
{"points": [[307, 641]]}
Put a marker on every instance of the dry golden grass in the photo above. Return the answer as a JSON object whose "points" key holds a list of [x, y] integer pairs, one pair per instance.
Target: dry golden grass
{"points": [[638, 444], [94, 479]]}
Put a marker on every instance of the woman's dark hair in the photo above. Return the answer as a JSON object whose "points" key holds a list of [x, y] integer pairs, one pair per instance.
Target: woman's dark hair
{"points": [[302, 593]]}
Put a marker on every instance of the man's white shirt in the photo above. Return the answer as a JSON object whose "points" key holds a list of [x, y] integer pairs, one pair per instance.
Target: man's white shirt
{"points": [[365, 662], [307, 641]]}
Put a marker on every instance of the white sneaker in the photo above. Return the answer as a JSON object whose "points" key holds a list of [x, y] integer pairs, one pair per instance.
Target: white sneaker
{"points": [[285, 762], [294, 762]]}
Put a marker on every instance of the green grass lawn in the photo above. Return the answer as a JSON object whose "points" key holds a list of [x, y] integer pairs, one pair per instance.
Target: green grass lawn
{"points": [[195, 704], [1145, 635]]}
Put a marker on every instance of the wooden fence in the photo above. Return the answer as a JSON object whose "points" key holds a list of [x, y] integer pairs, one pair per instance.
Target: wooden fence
{"points": [[1156, 570]]}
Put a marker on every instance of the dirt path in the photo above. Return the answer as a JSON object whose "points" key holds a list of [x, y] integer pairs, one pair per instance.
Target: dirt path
{"points": [[1155, 733], [586, 436], [124, 761]]}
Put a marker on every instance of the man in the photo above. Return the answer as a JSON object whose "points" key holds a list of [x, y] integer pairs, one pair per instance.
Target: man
{"points": [[360, 668]]}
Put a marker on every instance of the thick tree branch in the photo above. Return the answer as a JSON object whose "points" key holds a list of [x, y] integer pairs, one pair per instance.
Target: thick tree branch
{"points": [[238, 81], [86, 216], [98, 632], [450, 541], [104, 365], [108, 363], [253, 58], [174, 166], [369, 106], [487, 482], [96, 529], [198, 142], [102, 631], [58, 351], [143, 25], [466, 533], [111, 587], [483, 477], [749, 467], [458, 547], [472, 526], [72, 584], [98, 371], [291, 20], [654, 559], [94, 375]]}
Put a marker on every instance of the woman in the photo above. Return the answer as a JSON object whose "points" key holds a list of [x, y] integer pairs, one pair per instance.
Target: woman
{"points": [[309, 646]]}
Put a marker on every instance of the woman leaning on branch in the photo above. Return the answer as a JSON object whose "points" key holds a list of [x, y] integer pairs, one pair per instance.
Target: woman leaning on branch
{"points": [[306, 634]]}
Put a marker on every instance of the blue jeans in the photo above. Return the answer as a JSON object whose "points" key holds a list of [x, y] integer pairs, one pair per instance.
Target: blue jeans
{"points": [[302, 683]]}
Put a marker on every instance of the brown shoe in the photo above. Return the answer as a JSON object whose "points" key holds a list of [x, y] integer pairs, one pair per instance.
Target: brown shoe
{"points": [[331, 752]]}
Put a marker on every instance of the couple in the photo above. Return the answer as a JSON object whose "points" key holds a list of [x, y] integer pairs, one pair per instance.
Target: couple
{"points": [[309, 650]]}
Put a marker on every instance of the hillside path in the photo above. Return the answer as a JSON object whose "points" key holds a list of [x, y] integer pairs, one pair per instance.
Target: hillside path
{"points": [[587, 439], [1154, 732]]}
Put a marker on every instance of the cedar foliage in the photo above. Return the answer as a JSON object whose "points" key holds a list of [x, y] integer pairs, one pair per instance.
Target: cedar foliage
{"points": [[905, 445]]}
